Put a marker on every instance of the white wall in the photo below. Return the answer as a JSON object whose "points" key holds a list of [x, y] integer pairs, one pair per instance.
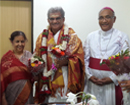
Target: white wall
{"points": [[81, 15]]}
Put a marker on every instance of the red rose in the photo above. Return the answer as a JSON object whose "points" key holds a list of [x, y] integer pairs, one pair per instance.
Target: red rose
{"points": [[126, 57], [47, 92], [107, 62], [53, 51], [45, 30], [117, 57], [36, 62], [62, 53], [44, 78]]}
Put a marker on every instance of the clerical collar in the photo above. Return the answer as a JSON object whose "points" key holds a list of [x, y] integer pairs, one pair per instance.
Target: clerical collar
{"points": [[105, 33]]}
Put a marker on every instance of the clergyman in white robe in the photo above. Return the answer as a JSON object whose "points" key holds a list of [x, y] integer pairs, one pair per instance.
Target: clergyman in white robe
{"points": [[101, 45]]}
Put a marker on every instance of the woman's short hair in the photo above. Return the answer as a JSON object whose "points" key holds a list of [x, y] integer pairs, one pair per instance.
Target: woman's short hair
{"points": [[17, 33], [56, 9]]}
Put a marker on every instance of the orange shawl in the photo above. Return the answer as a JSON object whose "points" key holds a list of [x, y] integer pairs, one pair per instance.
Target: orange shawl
{"points": [[76, 66]]}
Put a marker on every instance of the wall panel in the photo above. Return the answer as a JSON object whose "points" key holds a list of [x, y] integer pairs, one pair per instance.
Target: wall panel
{"points": [[14, 15]]}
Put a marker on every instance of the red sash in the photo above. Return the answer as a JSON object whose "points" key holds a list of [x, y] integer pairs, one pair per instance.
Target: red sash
{"points": [[94, 63]]}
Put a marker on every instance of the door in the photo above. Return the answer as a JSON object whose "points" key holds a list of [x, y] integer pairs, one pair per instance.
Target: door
{"points": [[14, 15]]}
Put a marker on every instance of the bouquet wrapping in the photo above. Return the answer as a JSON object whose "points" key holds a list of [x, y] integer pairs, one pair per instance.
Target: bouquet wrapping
{"points": [[120, 65], [36, 65]]}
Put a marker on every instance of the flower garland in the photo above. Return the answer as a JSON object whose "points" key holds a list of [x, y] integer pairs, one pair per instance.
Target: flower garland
{"points": [[65, 38], [44, 49]]}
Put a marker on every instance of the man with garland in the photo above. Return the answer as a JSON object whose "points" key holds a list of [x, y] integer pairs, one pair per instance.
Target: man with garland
{"points": [[69, 76], [98, 46]]}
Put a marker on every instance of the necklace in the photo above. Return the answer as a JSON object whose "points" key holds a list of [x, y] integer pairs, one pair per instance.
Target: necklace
{"points": [[106, 47]]}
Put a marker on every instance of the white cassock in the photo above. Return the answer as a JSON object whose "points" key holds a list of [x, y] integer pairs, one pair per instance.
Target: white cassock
{"points": [[60, 98], [101, 45]]}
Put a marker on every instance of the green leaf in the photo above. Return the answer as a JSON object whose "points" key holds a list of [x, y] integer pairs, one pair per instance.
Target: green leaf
{"points": [[39, 58], [45, 33], [102, 63]]}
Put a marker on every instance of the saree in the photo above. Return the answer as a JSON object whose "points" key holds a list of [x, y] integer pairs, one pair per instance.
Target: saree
{"points": [[15, 79], [75, 67]]}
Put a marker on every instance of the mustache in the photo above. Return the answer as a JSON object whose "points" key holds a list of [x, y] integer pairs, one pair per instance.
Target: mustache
{"points": [[20, 46], [105, 24], [55, 23]]}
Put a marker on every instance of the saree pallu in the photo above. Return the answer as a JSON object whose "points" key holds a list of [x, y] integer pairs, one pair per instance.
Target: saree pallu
{"points": [[76, 68], [11, 71]]}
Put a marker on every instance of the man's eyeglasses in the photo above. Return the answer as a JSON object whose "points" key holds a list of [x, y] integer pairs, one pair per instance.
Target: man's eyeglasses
{"points": [[101, 18], [57, 19]]}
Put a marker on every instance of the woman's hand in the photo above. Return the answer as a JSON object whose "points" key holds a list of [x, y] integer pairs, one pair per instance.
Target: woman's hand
{"points": [[125, 85], [4, 102], [35, 78]]}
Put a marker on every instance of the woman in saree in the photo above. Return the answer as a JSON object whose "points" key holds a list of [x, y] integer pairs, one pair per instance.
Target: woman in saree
{"points": [[16, 85]]}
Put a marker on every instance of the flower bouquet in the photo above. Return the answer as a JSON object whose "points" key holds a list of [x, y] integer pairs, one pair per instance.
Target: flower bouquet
{"points": [[120, 65], [36, 65], [58, 51], [87, 99], [65, 49]]}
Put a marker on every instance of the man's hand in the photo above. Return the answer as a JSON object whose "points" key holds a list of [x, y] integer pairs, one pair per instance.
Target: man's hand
{"points": [[125, 85], [102, 81], [95, 80], [106, 80], [60, 63]]}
